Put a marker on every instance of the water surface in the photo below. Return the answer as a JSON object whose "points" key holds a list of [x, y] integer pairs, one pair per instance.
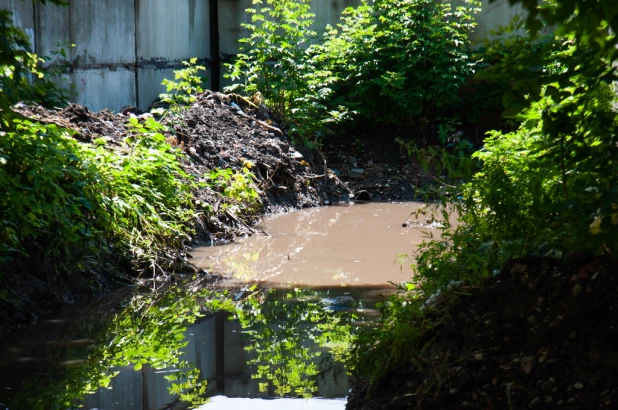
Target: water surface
{"points": [[281, 345], [345, 245]]}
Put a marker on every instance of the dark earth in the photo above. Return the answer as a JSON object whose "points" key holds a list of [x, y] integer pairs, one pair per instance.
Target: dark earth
{"points": [[540, 335]]}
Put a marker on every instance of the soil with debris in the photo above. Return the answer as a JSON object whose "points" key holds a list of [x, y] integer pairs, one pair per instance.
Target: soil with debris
{"points": [[227, 131], [374, 167], [540, 335], [217, 131], [221, 131]]}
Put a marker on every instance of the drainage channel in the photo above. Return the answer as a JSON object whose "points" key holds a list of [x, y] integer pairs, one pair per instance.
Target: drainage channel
{"points": [[280, 344]]}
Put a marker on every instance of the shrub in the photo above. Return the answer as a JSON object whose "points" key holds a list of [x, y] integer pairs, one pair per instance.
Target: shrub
{"points": [[399, 62], [60, 192], [395, 62]]}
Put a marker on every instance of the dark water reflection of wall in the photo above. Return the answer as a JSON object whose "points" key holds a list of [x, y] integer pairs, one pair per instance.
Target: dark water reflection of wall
{"points": [[147, 389]]}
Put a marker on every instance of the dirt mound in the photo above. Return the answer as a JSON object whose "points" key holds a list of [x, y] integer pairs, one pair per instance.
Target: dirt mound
{"points": [[223, 131], [220, 131], [540, 335]]}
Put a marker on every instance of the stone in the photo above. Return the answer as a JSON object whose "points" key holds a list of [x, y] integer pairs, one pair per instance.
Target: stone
{"points": [[528, 363], [535, 402], [296, 155], [577, 289], [578, 386], [357, 171]]}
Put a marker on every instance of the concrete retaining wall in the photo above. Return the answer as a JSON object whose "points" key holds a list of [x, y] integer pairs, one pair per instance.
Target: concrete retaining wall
{"points": [[125, 48]]}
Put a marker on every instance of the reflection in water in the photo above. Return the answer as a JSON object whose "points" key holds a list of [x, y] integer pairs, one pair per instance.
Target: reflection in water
{"points": [[148, 331], [166, 351], [286, 333], [350, 245], [175, 348]]}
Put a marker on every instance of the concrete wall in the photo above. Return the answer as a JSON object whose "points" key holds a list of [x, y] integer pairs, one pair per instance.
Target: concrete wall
{"points": [[494, 15], [125, 48]]}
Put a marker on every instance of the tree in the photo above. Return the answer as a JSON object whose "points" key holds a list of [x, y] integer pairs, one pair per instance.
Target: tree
{"points": [[15, 56]]}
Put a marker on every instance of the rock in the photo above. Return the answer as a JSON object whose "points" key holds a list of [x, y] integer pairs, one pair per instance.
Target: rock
{"points": [[535, 402], [577, 289], [357, 171], [370, 163], [352, 161], [578, 386], [528, 363]]}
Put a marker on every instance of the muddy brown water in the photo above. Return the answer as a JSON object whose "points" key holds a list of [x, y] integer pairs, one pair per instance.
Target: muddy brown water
{"points": [[317, 265], [343, 245]]}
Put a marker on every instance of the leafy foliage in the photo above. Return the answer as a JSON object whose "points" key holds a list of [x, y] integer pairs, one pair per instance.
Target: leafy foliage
{"points": [[272, 60], [391, 62], [46, 182], [182, 90], [61, 192], [549, 187], [16, 63], [397, 62], [237, 187], [145, 202]]}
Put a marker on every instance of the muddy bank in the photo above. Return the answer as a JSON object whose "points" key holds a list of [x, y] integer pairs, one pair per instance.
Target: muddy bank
{"points": [[214, 133], [540, 335], [220, 131]]}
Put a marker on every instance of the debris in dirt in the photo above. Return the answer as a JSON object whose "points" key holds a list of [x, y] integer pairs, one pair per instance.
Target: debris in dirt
{"points": [[564, 359], [221, 131], [381, 170]]}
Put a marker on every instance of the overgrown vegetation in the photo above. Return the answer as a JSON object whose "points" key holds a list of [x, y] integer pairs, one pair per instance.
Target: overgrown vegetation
{"points": [[17, 63], [129, 202], [389, 62], [61, 192], [547, 188], [181, 91]]}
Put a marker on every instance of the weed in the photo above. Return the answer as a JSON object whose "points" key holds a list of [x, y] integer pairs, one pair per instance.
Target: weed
{"points": [[182, 90]]}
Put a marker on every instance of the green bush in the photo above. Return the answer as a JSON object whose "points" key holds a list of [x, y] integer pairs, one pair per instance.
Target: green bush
{"points": [[60, 192], [399, 61], [548, 188], [22, 77], [272, 60], [395, 62]]}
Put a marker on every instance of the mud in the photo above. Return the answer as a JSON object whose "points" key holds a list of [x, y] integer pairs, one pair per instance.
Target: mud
{"points": [[343, 245]]}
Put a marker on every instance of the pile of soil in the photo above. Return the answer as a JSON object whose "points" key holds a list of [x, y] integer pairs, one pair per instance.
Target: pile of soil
{"points": [[220, 131], [540, 335], [227, 131]]}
